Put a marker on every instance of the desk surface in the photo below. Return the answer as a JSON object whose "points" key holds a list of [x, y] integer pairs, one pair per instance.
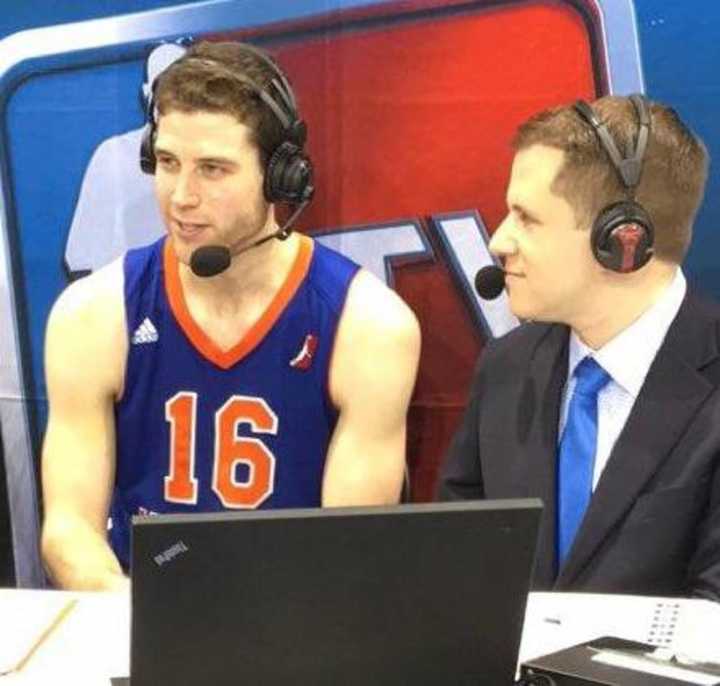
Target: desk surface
{"points": [[89, 645], [92, 642]]}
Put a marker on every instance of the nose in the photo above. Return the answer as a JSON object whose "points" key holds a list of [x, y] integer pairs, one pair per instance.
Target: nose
{"points": [[503, 242], [185, 192]]}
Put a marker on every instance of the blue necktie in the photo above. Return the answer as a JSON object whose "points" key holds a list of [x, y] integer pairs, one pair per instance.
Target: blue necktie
{"points": [[576, 457]]}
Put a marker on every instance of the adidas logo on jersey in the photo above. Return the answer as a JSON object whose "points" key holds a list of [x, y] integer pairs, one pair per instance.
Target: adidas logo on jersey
{"points": [[145, 333]]}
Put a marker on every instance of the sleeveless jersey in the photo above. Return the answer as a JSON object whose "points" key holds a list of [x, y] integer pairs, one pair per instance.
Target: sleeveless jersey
{"points": [[201, 429]]}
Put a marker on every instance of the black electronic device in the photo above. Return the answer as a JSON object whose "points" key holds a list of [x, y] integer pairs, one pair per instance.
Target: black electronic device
{"points": [[413, 594], [610, 661]]}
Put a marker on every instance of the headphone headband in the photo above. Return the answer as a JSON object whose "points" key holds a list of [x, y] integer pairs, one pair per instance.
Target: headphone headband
{"points": [[286, 118], [628, 167]]}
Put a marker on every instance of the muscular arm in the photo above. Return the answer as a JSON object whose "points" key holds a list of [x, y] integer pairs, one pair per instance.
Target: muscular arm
{"points": [[372, 376], [84, 363]]}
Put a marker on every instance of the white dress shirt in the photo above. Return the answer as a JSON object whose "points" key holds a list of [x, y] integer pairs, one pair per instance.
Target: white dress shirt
{"points": [[627, 359]]}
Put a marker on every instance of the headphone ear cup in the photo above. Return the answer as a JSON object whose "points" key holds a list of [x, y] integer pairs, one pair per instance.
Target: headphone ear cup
{"points": [[622, 237], [289, 175], [148, 161]]}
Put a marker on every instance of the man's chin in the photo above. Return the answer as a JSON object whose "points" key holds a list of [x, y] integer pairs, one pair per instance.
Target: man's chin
{"points": [[520, 310], [528, 312], [182, 250]]}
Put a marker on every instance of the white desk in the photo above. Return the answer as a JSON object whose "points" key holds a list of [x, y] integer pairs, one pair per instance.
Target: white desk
{"points": [[92, 642]]}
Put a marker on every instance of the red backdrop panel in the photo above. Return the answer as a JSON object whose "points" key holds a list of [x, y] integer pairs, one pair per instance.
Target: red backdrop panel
{"points": [[412, 116]]}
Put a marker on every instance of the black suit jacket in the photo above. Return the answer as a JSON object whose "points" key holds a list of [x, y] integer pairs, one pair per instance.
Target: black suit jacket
{"points": [[653, 523]]}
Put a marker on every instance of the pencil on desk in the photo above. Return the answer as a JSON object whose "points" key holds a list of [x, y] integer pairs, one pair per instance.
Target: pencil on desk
{"points": [[64, 612]]}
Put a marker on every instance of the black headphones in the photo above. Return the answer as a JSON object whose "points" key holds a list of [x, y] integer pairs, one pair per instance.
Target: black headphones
{"points": [[288, 172], [622, 234]]}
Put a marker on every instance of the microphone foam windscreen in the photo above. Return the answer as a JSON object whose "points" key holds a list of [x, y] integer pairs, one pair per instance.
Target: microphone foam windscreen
{"points": [[489, 282], [210, 260]]}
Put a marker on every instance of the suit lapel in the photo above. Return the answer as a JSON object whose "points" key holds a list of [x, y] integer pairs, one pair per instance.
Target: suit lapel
{"points": [[672, 394], [544, 383]]}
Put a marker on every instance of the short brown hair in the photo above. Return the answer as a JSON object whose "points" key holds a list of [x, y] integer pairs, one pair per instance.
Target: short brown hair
{"points": [[210, 78], [674, 170]]}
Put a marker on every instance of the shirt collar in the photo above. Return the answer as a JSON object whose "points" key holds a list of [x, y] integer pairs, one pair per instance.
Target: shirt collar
{"points": [[628, 356]]}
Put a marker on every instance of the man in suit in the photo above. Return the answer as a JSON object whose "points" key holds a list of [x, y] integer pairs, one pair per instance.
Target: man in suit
{"points": [[605, 403]]}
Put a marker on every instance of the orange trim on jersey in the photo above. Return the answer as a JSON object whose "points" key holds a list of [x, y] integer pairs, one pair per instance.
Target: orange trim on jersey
{"points": [[200, 340]]}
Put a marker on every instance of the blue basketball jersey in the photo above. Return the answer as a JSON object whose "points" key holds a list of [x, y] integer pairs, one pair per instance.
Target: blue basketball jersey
{"points": [[201, 429]]}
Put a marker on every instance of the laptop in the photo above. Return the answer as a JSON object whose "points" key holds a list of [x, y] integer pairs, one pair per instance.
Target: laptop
{"points": [[413, 594]]}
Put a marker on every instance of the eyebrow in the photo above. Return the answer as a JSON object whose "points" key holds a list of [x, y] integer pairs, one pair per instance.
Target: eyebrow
{"points": [[223, 161], [517, 207]]}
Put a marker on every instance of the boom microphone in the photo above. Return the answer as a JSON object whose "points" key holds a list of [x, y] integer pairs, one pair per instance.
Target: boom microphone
{"points": [[490, 282], [211, 260]]}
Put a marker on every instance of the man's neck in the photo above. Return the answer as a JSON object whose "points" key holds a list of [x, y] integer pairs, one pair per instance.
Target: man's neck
{"points": [[621, 302], [258, 272], [228, 305]]}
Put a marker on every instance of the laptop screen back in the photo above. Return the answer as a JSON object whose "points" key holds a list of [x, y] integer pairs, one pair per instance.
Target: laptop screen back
{"points": [[417, 594]]}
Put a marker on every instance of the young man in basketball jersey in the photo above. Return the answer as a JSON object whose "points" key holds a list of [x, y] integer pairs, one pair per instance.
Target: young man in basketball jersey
{"points": [[221, 367], [607, 404]]}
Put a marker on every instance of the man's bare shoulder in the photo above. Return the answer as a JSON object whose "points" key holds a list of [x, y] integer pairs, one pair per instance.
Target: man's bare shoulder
{"points": [[373, 309], [86, 332], [376, 356], [93, 299]]}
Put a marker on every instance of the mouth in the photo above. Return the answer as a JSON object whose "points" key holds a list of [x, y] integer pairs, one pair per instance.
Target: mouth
{"points": [[189, 231]]}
